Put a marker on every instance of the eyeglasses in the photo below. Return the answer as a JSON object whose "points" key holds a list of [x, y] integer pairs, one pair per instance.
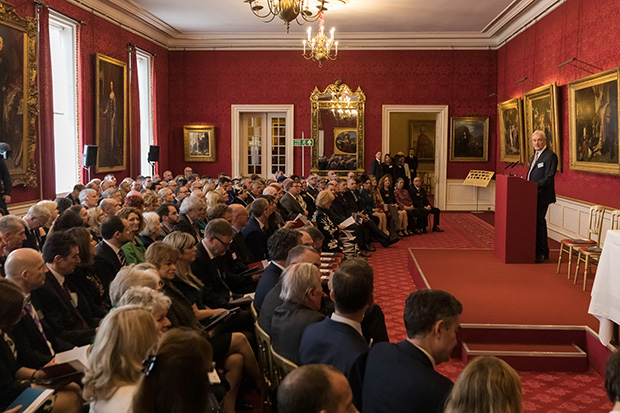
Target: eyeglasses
{"points": [[227, 245]]}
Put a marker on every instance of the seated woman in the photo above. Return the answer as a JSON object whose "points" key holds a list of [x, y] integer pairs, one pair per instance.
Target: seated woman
{"points": [[403, 199], [95, 216], [84, 277], [387, 194], [152, 229], [322, 217], [123, 340], [14, 378], [486, 385], [134, 249], [151, 202], [176, 377], [154, 301], [141, 275], [181, 314], [370, 206]]}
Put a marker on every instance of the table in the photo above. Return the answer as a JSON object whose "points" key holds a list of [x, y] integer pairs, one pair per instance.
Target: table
{"points": [[605, 301]]}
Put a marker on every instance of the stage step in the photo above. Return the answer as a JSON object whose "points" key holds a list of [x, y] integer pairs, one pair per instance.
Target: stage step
{"points": [[531, 357]]}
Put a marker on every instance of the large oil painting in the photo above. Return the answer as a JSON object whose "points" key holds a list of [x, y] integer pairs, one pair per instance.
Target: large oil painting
{"points": [[199, 143], [111, 98], [510, 117], [470, 140], [541, 113], [422, 139], [18, 94], [593, 105]]}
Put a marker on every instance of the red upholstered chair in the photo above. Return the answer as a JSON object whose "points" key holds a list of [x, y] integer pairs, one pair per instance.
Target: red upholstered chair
{"points": [[590, 255], [595, 223]]}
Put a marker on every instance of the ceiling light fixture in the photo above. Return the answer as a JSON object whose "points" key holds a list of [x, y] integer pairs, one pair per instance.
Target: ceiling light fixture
{"points": [[289, 10], [321, 47]]}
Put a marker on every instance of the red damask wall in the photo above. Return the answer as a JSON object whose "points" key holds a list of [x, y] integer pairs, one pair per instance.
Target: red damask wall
{"points": [[204, 85], [589, 31], [101, 36]]}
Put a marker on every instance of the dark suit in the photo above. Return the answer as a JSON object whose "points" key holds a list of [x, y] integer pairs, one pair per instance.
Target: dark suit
{"points": [[412, 161], [255, 239], [420, 202], [106, 264], [332, 342], [191, 228], [291, 206], [288, 324], [73, 324], [399, 377], [543, 173], [212, 273], [267, 281], [271, 301], [33, 239], [376, 169]]}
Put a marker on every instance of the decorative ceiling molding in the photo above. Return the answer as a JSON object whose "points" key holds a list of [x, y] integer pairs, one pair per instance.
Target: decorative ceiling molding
{"points": [[519, 15]]}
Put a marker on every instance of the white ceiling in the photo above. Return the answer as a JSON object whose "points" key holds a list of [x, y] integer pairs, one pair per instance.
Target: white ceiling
{"points": [[385, 24]]}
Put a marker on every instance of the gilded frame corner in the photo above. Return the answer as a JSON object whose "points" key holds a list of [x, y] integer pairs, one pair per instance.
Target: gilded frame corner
{"points": [[546, 98], [510, 113]]}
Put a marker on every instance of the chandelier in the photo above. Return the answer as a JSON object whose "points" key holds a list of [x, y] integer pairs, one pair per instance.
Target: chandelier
{"points": [[343, 107], [289, 10], [321, 47]]}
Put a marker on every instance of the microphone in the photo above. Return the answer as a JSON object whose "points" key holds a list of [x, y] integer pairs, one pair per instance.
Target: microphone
{"points": [[511, 165], [514, 164]]}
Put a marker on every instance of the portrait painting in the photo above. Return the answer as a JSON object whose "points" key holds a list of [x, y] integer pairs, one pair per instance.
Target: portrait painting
{"points": [[111, 98], [422, 138], [199, 142], [470, 139], [593, 122], [541, 113], [510, 117], [18, 94], [345, 141]]}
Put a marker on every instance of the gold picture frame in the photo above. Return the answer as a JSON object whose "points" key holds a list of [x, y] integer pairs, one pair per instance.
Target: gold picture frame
{"points": [[510, 118], [19, 97], [111, 113], [199, 143], [541, 113], [593, 123], [345, 141], [470, 139]]}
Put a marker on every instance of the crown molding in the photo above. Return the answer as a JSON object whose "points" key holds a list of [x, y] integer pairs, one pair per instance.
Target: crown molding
{"points": [[518, 16]]}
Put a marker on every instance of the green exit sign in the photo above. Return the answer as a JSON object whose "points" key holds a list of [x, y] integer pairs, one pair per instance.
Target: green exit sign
{"points": [[303, 142]]}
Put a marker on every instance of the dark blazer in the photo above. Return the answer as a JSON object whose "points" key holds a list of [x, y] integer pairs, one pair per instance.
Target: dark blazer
{"points": [[351, 203], [255, 239], [331, 342], [413, 165], [376, 169], [287, 326], [32, 240], [291, 206], [184, 225], [399, 377], [544, 175], [339, 211], [212, 273], [418, 197], [312, 191], [310, 200], [106, 264], [240, 201], [62, 317], [267, 281]]}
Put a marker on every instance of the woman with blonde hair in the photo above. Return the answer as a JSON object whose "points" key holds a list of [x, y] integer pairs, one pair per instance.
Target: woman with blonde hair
{"points": [[95, 216], [151, 202], [215, 197], [123, 340], [154, 301], [141, 275], [486, 385]]}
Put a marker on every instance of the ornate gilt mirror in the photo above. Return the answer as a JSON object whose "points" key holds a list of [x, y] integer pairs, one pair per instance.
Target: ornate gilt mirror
{"points": [[337, 129]]}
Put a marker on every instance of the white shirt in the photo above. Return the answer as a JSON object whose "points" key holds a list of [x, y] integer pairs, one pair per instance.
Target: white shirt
{"points": [[340, 319], [120, 402]]}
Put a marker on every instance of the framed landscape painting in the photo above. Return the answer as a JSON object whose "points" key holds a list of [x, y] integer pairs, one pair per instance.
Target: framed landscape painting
{"points": [[541, 113], [593, 123], [111, 110], [19, 102], [199, 142], [510, 117], [470, 140]]}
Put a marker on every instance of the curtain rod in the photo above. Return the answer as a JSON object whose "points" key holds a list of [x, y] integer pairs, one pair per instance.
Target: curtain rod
{"points": [[41, 3]]}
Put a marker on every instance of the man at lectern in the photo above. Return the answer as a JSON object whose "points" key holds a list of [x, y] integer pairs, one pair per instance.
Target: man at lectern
{"points": [[542, 169]]}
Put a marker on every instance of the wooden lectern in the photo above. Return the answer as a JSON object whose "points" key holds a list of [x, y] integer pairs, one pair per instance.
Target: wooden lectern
{"points": [[515, 219]]}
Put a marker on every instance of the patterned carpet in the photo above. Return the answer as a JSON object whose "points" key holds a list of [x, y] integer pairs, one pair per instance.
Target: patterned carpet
{"points": [[549, 392]]}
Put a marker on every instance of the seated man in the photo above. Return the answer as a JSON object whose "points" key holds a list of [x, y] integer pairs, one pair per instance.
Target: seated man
{"points": [[338, 340], [292, 201], [315, 389], [612, 380], [401, 375], [14, 231], [109, 257], [279, 244], [301, 292], [192, 210], [254, 232], [422, 204], [36, 218]]}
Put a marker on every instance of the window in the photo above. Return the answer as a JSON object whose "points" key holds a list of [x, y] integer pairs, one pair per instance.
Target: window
{"points": [[63, 49], [145, 88]]}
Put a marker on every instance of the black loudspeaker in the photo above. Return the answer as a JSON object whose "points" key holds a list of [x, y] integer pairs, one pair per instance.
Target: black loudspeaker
{"points": [[154, 153], [89, 157]]}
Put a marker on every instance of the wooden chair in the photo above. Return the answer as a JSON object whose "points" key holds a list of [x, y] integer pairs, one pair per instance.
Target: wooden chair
{"points": [[595, 223], [282, 366], [590, 255]]}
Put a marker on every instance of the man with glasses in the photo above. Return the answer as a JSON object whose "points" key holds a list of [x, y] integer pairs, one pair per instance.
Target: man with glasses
{"points": [[292, 200], [180, 194]]}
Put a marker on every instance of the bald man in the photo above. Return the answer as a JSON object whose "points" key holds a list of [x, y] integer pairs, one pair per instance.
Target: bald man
{"points": [[35, 341]]}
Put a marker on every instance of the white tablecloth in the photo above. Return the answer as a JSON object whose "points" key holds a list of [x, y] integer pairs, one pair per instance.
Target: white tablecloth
{"points": [[605, 302]]}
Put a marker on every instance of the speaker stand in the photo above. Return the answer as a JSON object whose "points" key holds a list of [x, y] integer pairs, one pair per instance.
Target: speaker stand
{"points": [[152, 169], [88, 169]]}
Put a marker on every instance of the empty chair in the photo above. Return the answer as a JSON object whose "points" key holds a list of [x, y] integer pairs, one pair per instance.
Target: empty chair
{"points": [[595, 223], [590, 254]]}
